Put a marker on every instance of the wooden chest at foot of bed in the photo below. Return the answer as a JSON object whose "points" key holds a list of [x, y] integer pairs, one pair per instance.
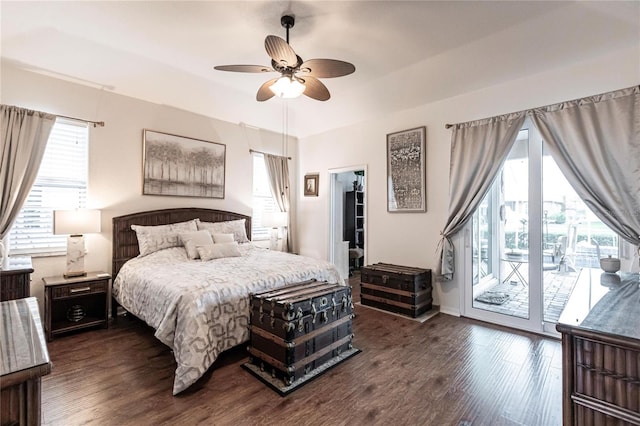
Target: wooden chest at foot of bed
{"points": [[400, 289], [298, 328]]}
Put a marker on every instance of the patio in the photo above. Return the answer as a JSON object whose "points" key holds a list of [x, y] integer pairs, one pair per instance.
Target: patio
{"points": [[557, 283], [557, 288]]}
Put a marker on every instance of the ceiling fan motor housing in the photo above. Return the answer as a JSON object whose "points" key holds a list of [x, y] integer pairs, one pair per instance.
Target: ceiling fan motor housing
{"points": [[287, 21]]}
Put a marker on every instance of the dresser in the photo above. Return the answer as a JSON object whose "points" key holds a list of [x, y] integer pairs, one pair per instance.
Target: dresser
{"points": [[15, 278], [600, 328], [24, 359]]}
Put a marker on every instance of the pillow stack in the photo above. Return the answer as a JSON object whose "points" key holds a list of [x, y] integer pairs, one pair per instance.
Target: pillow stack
{"points": [[206, 246], [204, 240]]}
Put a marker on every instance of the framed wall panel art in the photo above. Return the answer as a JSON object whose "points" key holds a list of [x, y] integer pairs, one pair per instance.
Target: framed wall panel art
{"points": [[182, 166], [406, 174]]}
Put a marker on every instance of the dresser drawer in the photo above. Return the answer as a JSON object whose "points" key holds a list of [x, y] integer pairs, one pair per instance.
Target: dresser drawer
{"points": [[71, 290]]}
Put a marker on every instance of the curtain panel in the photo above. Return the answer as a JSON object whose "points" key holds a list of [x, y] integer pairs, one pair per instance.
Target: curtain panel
{"points": [[478, 150], [278, 171], [596, 143], [24, 136]]}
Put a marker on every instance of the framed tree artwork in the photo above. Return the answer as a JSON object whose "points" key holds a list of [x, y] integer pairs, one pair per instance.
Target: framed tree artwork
{"points": [[182, 166], [406, 175]]}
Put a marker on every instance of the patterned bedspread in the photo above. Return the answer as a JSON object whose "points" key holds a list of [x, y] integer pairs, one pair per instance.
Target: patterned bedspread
{"points": [[200, 309]]}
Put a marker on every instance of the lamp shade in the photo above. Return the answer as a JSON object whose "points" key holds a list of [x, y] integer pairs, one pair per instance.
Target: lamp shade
{"points": [[287, 87], [74, 222], [274, 219]]}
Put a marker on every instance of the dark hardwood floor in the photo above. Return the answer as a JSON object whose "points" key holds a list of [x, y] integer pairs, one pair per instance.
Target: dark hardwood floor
{"points": [[447, 371]]}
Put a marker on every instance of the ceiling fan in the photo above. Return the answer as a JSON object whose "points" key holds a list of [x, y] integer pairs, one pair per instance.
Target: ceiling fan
{"points": [[297, 76]]}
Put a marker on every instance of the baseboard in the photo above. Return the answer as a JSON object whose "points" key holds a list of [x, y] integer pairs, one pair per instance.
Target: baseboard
{"points": [[450, 311]]}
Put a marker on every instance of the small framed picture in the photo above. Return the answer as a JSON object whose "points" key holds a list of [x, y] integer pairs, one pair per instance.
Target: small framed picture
{"points": [[311, 185]]}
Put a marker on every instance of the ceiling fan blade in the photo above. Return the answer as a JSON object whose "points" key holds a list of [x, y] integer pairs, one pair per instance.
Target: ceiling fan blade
{"points": [[244, 68], [315, 89], [280, 51], [326, 68], [264, 92]]}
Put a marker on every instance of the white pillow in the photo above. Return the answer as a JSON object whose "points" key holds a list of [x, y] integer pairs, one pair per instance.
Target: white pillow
{"points": [[191, 240], [235, 227], [222, 238], [154, 238], [218, 251]]}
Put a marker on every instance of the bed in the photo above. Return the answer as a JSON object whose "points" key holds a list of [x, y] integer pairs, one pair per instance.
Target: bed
{"points": [[198, 308]]}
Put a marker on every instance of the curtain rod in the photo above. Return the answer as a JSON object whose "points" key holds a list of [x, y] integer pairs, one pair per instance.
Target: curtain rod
{"points": [[260, 152], [95, 123], [526, 111]]}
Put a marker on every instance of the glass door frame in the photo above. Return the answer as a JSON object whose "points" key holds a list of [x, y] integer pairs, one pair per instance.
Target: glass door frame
{"points": [[535, 280]]}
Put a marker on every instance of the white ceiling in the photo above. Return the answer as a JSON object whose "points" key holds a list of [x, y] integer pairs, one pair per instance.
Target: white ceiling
{"points": [[406, 53]]}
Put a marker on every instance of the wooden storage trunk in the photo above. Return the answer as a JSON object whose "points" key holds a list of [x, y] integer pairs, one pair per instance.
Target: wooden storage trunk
{"points": [[400, 289], [298, 328]]}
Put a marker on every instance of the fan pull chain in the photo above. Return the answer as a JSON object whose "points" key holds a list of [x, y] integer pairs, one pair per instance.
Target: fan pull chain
{"points": [[285, 128]]}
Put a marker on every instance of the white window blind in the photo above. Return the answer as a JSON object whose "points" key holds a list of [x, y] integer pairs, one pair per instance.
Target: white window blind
{"points": [[61, 184], [263, 201]]}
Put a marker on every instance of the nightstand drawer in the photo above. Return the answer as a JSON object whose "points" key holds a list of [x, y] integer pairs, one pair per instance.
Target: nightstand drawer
{"points": [[72, 290]]}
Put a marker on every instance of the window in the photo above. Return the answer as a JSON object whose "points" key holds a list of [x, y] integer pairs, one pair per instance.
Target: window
{"points": [[61, 184], [263, 201]]}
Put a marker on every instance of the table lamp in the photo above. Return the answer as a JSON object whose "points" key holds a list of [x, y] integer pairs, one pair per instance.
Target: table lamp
{"points": [[274, 220], [75, 223]]}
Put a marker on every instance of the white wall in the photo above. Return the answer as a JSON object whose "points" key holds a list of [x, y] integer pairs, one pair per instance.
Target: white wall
{"points": [[115, 155], [115, 180], [411, 238]]}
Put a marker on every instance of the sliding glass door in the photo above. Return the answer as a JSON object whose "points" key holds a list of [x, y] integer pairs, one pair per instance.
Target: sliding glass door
{"points": [[530, 238], [502, 242]]}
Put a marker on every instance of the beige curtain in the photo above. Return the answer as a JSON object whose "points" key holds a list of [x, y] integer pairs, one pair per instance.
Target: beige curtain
{"points": [[24, 136], [278, 171], [596, 143], [478, 150]]}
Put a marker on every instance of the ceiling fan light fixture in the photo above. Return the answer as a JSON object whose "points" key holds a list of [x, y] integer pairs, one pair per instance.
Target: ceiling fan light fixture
{"points": [[285, 61], [287, 87]]}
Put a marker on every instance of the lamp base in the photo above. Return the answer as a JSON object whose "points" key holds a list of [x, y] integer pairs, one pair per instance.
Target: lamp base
{"points": [[274, 239], [75, 256]]}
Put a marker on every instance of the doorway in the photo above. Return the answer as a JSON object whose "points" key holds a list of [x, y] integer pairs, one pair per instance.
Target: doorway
{"points": [[530, 237], [347, 242]]}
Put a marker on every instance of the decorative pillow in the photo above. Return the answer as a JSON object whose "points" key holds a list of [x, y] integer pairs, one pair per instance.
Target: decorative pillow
{"points": [[154, 238], [235, 227], [222, 238], [191, 240], [218, 251]]}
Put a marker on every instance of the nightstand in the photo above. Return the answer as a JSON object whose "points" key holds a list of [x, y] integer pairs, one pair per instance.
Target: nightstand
{"points": [[76, 303], [15, 279]]}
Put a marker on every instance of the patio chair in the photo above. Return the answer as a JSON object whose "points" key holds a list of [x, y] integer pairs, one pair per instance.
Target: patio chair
{"points": [[554, 254]]}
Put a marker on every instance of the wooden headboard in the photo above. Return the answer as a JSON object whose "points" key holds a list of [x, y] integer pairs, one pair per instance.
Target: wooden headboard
{"points": [[125, 242]]}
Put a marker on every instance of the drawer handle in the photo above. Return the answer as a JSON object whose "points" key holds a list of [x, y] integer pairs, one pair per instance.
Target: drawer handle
{"points": [[79, 290]]}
